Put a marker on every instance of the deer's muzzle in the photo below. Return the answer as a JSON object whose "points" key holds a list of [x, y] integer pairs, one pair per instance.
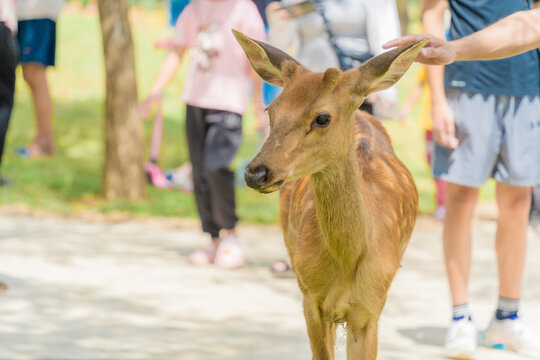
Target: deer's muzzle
{"points": [[256, 178]]}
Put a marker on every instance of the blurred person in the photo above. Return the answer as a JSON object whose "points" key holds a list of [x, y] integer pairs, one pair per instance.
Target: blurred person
{"points": [[37, 51], [174, 9], [421, 93], [270, 92], [517, 33], [216, 93], [8, 64], [341, 34], [483, 125]]}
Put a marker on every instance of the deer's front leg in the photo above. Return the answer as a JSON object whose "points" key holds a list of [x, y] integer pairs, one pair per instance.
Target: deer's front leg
{"points": [[321, 332], [362, 340]]}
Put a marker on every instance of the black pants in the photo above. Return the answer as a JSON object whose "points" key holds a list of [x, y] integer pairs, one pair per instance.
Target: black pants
{"points": [[213, 140], [8, 63]]}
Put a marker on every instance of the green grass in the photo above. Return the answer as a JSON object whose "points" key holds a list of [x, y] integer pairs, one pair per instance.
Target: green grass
{"points": [[71, 181]]}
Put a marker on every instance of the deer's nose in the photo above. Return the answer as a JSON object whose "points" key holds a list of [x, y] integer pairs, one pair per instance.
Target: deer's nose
{"points": [[256, 177]]}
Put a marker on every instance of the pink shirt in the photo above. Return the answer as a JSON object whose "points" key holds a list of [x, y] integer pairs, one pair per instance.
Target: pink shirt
{"points": [[219, 72]]}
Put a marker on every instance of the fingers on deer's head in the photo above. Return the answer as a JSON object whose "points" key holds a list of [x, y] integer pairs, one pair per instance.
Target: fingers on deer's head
{"points": [[310, 121]]}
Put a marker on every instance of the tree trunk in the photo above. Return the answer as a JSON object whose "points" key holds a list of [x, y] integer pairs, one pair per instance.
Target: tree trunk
{"points": [[123, 176]]}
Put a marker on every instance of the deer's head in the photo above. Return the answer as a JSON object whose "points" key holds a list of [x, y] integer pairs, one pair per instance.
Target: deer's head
{"points": [[311, 120]]}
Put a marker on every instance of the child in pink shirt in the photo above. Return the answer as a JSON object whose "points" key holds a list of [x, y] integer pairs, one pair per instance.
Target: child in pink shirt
{"points": [[217, 89]]}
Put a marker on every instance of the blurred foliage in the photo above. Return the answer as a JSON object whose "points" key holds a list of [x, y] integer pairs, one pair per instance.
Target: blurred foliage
{"points": [[71, 181]]}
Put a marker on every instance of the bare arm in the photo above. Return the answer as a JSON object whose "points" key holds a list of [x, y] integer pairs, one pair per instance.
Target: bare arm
{"points": [[167, 71], [510, 36], [443, 118], [515, 34]]}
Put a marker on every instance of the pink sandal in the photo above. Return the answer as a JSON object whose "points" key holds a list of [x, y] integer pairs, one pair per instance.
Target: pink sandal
{"points": [[231, 253], [156, 177], [204, 257]]}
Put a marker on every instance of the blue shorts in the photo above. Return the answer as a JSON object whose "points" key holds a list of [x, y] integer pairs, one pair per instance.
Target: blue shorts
{"points": [[499, 137], [37, 41]]}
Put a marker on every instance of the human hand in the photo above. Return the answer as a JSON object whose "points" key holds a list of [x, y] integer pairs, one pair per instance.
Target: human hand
{"points": [[164, 44], [147, 105], [444, 126], [280, 12], [435, 52]]}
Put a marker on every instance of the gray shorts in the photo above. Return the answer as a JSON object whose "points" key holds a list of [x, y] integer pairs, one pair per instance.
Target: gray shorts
{"points": [[499, 137]]}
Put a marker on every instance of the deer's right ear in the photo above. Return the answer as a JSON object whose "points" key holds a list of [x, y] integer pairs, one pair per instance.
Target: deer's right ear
{"points": [[265, 59]]}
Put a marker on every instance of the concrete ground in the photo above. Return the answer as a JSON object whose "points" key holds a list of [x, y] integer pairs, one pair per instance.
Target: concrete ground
{"points": [[97, 290]]}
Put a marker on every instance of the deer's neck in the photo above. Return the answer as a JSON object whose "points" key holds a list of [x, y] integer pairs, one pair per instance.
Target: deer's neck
{"points": [[341, 211]]}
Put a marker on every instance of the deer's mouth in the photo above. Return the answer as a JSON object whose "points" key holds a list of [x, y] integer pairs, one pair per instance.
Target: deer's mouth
{"points": [[267, 189]]}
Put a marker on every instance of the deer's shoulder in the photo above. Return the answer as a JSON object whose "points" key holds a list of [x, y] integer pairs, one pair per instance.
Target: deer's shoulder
{"points": [[370, 137]]}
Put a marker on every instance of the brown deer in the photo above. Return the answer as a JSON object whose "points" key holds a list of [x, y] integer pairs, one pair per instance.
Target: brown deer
{"points": [[348, 205]]}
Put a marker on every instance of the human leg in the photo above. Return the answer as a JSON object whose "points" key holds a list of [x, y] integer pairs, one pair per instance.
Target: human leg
{"points": [[461, 337], [221, 144], [460, 206], [36, 77], [465, 169], [196, 134], [511, 237], [506, 329], [515, 172], [196, 130], [37, 42]]}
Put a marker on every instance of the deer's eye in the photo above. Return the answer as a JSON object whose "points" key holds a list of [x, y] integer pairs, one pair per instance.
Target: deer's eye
{"points": [[322, 120]]}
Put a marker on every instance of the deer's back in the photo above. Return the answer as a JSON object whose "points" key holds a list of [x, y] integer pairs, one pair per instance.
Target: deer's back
{"points": [[391, 192]]}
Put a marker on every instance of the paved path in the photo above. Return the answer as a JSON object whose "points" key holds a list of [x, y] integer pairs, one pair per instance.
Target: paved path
{"points": [[83, 290]]}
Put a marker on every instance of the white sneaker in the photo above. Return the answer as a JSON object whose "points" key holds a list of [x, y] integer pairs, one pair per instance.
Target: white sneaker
{"points": [[513, 334], [461, 340]]}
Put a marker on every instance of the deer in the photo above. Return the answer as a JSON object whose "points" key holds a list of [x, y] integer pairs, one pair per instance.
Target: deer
{"points": [[348, 205]]}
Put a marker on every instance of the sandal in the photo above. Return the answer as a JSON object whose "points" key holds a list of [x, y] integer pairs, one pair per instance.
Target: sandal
{"points": [[203, 257], [231, 253], [282, 269], [155, 176]]}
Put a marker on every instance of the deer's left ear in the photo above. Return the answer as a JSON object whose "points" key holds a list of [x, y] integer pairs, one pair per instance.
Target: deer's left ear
{"points": [[385, 70], [267, 60]]}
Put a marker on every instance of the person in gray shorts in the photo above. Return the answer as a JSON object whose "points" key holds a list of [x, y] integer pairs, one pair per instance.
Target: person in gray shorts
{"points": [[499, 137], [486, 121]]}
